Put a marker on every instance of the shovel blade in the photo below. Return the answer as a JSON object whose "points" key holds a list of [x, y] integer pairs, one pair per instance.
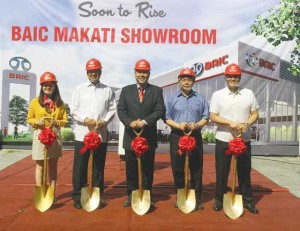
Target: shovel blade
{"points": [[233, 205], [43, 199], [140, 204], [186, 200], [90, 202]]}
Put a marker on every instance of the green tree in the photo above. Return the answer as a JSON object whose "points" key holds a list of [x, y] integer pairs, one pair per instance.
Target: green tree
{"points": [[67, 134], [280, 25], [70, 119], [205, 137], [18, 109]]}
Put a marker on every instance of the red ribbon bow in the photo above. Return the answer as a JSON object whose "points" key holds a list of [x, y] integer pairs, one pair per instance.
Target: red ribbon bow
{"points": [[47, 136], [91, 141], [139, 145], [186, 143], [49, 103], [236, 146]]}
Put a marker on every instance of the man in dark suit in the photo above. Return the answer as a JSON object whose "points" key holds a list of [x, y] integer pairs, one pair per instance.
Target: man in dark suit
{"points": [[140, 106]]}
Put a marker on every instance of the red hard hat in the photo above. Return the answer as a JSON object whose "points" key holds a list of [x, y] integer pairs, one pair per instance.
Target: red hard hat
{"points": [[48, 77], [93, 64], [233, 69], [186, 72], [142, 65]]}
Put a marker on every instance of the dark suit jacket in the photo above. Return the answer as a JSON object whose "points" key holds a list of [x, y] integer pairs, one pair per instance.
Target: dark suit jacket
{"points": [[151, 109]]}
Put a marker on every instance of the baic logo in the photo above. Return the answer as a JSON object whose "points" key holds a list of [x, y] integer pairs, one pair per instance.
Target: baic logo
{"points": [[252, 60], [19, 62], [198, 68]]}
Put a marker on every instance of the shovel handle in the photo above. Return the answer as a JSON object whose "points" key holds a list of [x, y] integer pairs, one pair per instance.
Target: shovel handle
{"points": [[90, 172], [140, 175], [45, 170], [235, 134], [138, 133], [186, 173], [48, 119], [187, 133], [234, 175]]}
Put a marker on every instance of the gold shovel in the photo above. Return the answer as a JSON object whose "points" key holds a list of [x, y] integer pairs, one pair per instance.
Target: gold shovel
{"points": [[44, 195], [141, 199], [186, 198], [233, 203], [90, 196]]}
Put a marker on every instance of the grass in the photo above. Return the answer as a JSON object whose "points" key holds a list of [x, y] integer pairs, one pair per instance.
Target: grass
{"points": [[21, 138]]}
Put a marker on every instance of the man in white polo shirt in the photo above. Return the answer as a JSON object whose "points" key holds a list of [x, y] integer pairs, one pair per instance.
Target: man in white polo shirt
{"points": [[93, 106], [233, 109]]}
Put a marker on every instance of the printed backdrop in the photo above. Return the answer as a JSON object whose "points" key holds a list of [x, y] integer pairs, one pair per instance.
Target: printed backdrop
{"points": [[61, 35]]}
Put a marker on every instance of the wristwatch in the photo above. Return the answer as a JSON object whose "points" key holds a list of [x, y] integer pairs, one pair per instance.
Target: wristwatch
{"points": [[248, 125]]}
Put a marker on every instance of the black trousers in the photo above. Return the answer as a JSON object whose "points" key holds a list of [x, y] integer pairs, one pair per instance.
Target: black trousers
{"points": [[195, 162], [80, 169], [147, 161], [223, 162]]}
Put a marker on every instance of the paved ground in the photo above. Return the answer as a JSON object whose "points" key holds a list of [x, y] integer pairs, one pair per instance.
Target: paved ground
{"points": [[10, 156], [284, 171]]}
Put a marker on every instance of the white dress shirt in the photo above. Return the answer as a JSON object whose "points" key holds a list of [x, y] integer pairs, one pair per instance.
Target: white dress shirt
{"points": [[235, 107], [92, 101]]}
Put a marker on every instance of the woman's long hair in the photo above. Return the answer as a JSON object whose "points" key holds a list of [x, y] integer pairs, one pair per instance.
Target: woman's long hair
{"points": [[55, 96]]}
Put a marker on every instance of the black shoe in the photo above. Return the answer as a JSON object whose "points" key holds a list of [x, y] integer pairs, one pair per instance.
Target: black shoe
{"points": [[251, 208], [127, 203], [152, 204], [217, 206], [199, 205], [176, 205], [102, 204], [77, 205]]}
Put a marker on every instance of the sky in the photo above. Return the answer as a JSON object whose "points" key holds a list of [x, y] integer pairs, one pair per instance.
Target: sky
{"points": [[231, 19]]}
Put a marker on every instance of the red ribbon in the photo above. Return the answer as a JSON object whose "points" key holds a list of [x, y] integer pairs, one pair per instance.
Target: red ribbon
{"points": [[49, 103], [186, 144], [139, 145], [91, 141], [47, 136], [237, 146]]}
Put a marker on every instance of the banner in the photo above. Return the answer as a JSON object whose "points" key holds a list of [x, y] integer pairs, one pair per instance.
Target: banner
{"points": [[60, 36]]}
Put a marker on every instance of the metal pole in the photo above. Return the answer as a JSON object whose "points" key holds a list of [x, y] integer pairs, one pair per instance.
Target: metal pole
{"points": [[268, 115]]}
